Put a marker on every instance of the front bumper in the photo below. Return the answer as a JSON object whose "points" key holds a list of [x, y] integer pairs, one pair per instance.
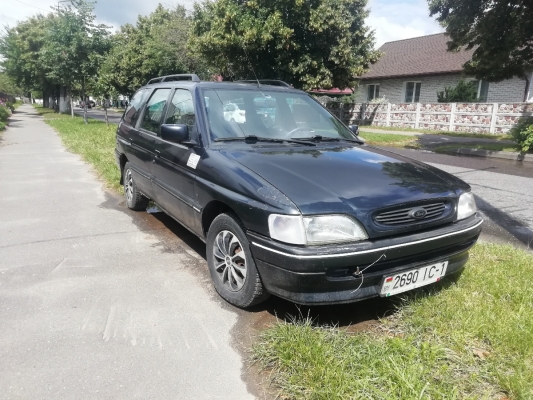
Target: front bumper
{"points": [[325, 274]]}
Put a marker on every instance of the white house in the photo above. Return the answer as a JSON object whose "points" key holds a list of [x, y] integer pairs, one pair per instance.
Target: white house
{"points": [[414, 70]]}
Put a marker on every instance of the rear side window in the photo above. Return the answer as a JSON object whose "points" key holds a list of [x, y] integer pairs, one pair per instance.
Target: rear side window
{"points": [[154, 110], [132, 112]]}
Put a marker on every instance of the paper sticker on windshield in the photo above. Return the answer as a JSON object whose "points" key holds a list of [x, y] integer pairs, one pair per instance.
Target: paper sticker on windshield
{"points": [[193, 160]]}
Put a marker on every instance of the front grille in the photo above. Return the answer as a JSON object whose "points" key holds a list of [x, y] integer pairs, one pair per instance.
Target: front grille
{"points": [[403, 216]]}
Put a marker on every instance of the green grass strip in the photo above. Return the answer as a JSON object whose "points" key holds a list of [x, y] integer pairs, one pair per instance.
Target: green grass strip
{"points": [[95, 142], [469, 339], [389, 139], [438, 132]]}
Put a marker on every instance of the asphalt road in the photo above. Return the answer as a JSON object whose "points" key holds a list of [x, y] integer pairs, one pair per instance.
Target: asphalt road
{"points": [[94, 303], [113, 117]]}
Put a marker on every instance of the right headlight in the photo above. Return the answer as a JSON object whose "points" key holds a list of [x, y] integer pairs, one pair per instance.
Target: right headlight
{"points": [[320, 229], [466, 206]]}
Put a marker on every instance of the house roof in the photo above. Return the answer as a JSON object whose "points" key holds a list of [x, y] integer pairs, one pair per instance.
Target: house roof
{"points": [[424, 55]]}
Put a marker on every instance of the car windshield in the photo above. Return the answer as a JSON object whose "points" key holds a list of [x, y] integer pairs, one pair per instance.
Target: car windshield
{"points": [[234, 113]]}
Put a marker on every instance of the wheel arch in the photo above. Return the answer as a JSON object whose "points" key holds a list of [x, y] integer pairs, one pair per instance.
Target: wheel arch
{"points": [[212, 210]]}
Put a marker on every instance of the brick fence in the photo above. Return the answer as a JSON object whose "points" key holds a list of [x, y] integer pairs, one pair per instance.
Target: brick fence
{"points": [[454, 117]]}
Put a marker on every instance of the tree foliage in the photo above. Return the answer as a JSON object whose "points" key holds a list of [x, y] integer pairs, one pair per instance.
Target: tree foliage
{"points": [[310, 44], [155, 46], [8, 86], [464, 92], [21, 47], [501, 31], [74, 45]]}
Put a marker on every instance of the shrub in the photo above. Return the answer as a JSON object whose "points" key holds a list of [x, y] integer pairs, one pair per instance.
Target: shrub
{"points": [[523, 134], [464, 92], [4, 113]]}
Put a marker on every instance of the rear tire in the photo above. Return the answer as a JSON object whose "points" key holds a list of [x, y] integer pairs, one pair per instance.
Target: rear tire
{"points": [[134, 199], [231, 264]]}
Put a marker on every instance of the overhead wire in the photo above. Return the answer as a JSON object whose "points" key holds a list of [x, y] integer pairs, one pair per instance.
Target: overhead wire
{"points": [[30, 5]]}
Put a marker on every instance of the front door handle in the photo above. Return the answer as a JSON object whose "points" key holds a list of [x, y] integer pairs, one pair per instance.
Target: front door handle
{"points": [[157, 154]]}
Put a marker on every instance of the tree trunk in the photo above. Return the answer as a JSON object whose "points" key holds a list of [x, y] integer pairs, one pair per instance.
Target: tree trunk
{"points": [[46, 99], [84, 101], [71, 102], [105, 110]]}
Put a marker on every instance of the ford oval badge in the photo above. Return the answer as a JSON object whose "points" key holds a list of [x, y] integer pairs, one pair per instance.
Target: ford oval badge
{"points": [[418, 213]]}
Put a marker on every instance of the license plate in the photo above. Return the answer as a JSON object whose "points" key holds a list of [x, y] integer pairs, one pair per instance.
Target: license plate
{"points": [[412, 279]]}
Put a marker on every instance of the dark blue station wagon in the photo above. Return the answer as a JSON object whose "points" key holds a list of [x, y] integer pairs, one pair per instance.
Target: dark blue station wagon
{"points": [[288, 199]]}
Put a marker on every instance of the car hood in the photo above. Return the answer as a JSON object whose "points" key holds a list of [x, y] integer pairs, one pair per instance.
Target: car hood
{"points": [[345, 178]]}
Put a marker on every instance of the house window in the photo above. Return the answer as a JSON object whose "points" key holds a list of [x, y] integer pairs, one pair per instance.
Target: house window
{"points": [[372, 92], [412, 92], [482, 90]]}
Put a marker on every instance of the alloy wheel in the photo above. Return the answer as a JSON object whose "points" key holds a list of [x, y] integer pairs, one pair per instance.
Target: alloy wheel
{"points": [[230, 260], [128, 186]]}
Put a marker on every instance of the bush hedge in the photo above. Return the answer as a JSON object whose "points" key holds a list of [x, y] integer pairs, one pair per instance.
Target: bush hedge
{"points": [[4, 113], [523, 134]]}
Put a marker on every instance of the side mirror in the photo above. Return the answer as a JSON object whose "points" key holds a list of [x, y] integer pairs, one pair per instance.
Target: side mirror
{"points": [[177, 133], [354, 129]]}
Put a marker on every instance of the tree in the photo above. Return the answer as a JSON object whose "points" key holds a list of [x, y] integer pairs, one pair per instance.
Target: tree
{"points": [[501, 31], [155, 46], [74, 47], [464, 92], [102, 88], [21, 47], [310, 44]]}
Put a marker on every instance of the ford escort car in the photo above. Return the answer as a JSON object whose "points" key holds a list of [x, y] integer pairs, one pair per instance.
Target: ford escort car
{"points": [[288, 199]]}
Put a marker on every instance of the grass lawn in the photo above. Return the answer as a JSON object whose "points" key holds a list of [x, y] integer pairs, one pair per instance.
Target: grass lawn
{"points": [[435, 132], [470, 339], [481, 146], [94, 141], [389, 139]]}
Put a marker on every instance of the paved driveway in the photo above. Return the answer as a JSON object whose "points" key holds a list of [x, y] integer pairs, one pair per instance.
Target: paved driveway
{"points": [[93, 304]]}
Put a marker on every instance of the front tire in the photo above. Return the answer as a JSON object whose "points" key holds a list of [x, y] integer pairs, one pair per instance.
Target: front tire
{"points": [[134, 199], [231, 264]]}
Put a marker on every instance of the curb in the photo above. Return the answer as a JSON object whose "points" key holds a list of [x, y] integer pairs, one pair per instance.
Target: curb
{"points": [[503, 155]]}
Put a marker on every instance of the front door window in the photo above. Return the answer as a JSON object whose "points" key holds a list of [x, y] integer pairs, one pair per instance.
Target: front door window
{"points": [[154, 110], [181, 109]]}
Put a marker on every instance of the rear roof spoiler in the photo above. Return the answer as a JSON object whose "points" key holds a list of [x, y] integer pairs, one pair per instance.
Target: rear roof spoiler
{"points": [[173, 78]]}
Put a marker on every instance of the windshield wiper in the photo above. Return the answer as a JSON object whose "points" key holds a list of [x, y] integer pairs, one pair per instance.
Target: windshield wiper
{"points": [[319, 138], [253, 138]]}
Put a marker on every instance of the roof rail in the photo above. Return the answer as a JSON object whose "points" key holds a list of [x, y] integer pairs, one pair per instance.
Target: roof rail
{"points": [[173, 78], [271, 82]]}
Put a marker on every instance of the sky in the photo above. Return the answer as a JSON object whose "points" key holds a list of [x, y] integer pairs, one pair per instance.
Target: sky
{"points": [[391, 20]]}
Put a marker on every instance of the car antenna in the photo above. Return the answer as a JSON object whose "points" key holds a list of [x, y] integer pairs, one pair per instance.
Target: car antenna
{"points": [[250, 63]]}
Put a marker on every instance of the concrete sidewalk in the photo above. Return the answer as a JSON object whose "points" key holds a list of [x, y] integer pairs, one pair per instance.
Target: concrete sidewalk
{"points": [[93, 303]]}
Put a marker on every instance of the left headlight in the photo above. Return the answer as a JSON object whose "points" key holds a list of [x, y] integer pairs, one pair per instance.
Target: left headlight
{"points": [[314, 230], [466, 206]]}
